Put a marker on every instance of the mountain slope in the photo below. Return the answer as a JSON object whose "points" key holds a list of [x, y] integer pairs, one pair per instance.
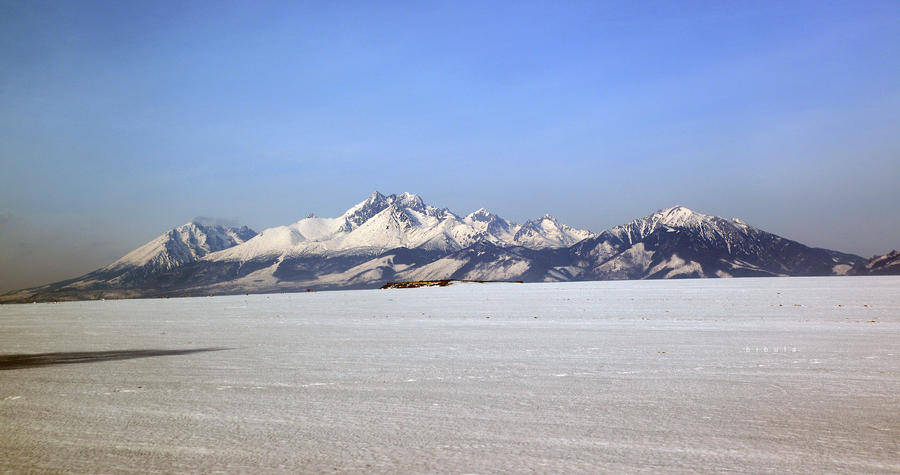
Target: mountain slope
{"points": [[547, 232], [186, 243], [138, 272], [679, 242], [382, 223], [887, 264], [400, 238]]}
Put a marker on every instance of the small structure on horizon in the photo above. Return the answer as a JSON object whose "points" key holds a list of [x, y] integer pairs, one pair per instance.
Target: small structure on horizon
{"points": [[442, 283]]}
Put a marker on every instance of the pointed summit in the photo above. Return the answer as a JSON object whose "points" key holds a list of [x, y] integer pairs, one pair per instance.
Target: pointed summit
{"points": [[491, 227], [400, 237], [374, 199], [545, 221], [546, 231], [186, 243], [677, 216], [683, 217], [680, 218], [481, 215], [374, 204]]}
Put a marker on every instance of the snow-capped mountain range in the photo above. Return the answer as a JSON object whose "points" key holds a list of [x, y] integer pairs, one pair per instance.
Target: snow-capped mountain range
{"points": [[400, 237], [186, 243], [384, 222]]}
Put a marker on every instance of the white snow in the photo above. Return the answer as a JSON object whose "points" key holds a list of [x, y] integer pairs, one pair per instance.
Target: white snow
{"points": [[439, 269], [706, 226], [635, 259], [186, 243], [387, 222], [548, 232], [504, 269], [841, 269], [747, 375], [676, 266]]}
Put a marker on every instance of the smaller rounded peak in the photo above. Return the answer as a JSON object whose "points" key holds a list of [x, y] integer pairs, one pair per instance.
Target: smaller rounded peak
{"points": [[679, 216], [676, 209], [677, 213]]}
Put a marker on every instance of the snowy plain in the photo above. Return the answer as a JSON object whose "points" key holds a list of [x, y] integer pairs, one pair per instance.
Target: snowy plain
{"points": [[750, 375]]}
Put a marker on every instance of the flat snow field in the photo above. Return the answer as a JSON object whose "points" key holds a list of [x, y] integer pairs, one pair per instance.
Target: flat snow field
{"points": [[750, 375]]}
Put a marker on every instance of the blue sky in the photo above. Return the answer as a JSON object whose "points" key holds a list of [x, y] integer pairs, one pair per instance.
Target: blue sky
{"points": [[120, 120]]}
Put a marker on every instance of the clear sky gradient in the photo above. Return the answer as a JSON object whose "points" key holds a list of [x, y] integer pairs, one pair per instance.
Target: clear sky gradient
{"points": [[120, 120]]}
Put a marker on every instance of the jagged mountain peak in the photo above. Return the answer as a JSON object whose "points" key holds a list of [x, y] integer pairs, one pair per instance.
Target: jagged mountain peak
{"points": [[196, 227], [185, 243], [482, 215], [546, 231], [404, 220], [683, 217], [678, 241], [205, 237], [409, 200], [377, 202], [678, 216], [548, 217], [363, 211], [540, 223], [490, 227], [401, 237]]}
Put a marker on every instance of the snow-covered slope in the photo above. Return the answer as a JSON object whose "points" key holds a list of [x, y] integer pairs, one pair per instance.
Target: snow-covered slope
{"points": [[400, 237], [711, 228], [548, 232], [186, 243], [143, 271], [679, 242]]}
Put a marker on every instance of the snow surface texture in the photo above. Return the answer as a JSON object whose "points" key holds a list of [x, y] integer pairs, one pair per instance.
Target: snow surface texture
{"points": [[750, 375]]}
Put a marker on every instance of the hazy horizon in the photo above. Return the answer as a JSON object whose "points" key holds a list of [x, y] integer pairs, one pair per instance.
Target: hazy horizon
{"points": [[122, 121]]}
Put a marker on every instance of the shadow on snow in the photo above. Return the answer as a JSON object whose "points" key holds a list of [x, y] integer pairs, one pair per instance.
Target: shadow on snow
{"points": [[20, 361]]}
